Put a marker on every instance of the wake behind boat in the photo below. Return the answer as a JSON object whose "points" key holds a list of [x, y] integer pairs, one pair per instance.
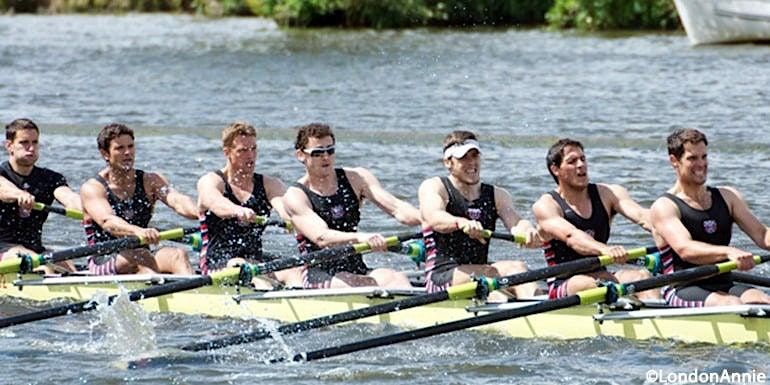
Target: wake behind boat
{"points": [[717, 325], [725, 21]]}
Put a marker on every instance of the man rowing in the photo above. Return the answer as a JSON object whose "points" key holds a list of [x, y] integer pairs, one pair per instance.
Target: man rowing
{"points": [[693, 226], [324, 206], [22, 184], [231, 198], [119, 202], [456, 209], [577, 214]]}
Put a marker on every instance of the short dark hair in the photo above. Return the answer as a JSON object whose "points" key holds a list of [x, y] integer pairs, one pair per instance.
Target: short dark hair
{"points": [[17, 125], [110, 132], [457, 137], [556, 154], [312, 130], [680, 137]]}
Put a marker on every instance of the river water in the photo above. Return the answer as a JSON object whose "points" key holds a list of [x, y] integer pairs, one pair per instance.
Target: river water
{"points": [[391, 96]]}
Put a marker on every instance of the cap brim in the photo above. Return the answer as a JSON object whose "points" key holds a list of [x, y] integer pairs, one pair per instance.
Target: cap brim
{"points": [[460, 151]]}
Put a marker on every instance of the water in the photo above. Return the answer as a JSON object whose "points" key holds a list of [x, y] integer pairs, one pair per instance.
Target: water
{"points": [[391, 96]]}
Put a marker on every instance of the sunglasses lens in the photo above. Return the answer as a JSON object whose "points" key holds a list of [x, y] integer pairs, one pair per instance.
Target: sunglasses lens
{"points": [[316, 152]]}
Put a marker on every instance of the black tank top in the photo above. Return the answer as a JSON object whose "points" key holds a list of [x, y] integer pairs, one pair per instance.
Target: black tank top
{"points": [[229, 238], [713, 226], [597, 226], [456, 248], [341, 212], [26, 231], [136, 210]]}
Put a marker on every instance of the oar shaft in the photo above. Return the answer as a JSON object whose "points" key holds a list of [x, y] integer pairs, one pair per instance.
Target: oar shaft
{"points": [[585, 297], [315, 323], [319, 256], [84, 306], [457, 292], [224, 277], [435, 330], [750, 279], [27, 263]]}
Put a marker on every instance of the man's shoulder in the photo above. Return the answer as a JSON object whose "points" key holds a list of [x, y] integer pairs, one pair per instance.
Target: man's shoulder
{"points": [[47, 172], [43, 176]]}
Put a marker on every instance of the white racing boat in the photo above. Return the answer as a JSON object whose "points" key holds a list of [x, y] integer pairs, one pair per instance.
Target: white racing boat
{"points": [[718, 325], [725, 21]]}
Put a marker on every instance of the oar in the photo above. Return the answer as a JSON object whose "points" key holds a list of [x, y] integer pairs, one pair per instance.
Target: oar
{"points": [[224, 277], [517, 238], [458, 292], [606, 294], [751, 279], [27, 263], [415, 250], [248, 271], [67, 212], [77, 214]]}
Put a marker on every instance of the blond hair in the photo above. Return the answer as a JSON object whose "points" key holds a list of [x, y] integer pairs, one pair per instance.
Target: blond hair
{"points": [[235, 129]]}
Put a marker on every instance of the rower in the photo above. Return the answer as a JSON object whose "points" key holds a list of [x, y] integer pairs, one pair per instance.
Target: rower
{"points": [[576, 218], [22, 184], [324, 206], [119, 202], [229, 200], [693, 226], [456, 209]]}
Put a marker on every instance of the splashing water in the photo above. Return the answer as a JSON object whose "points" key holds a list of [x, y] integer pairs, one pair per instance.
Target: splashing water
{"points": [[125, 327]]}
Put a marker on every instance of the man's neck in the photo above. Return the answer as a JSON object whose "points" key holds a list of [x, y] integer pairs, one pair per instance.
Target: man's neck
{"points": [[696, 192], [119, 176], [19, 169], [469, 191], [238, 176], [573, 195], [323, 184]]}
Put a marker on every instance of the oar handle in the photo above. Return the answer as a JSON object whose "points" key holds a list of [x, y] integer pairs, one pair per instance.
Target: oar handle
{"points": [[67, 212], [392, 241], [263, 220], [517, 238], [633, 254]]}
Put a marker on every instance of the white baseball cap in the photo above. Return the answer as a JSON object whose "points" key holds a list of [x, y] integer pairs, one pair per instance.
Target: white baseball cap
{"points": [[458, 150]]}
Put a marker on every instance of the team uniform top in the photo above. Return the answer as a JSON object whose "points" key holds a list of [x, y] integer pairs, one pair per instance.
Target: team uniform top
{"points": [[41, 183], [229, 238], [444, 252], [341, 212]]}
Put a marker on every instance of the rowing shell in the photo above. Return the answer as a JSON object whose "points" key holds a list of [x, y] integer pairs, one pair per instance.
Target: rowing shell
{"points": [[717, 325]]}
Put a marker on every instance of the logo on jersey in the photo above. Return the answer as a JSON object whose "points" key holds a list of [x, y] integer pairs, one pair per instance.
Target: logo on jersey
{"points": [[591, 232], [337, 211], [474, 214], [128, 214], [710, 226]]}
